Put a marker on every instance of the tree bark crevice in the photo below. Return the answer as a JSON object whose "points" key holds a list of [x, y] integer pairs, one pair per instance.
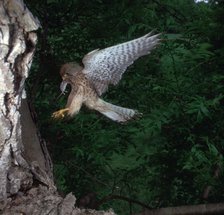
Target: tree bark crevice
{"points": [[26, 176], [17, 45]]}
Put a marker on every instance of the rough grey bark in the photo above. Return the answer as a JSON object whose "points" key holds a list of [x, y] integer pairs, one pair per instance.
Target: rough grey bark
{"points": [[26, 181]]}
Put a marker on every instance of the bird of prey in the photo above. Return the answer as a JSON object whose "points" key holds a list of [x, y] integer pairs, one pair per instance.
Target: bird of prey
{"points": [[100, 69]]}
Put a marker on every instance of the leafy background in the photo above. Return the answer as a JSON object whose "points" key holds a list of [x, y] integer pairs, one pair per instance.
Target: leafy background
{"points": [[175, 152]]}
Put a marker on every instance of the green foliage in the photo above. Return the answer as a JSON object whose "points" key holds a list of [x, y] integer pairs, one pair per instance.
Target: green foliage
{"points": [[170, 155]]}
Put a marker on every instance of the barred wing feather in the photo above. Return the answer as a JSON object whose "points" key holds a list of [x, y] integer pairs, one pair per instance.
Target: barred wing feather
{"points": [[106, 66]]}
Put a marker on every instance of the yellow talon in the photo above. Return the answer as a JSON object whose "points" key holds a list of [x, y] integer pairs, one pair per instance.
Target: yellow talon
{"points": [[60, 114]]}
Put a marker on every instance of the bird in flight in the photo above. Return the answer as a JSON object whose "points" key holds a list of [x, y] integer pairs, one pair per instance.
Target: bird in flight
{"points": [[100, 69]]}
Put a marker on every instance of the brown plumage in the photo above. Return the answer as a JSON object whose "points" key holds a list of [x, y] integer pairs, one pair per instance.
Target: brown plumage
{"points": [[101, 68]]}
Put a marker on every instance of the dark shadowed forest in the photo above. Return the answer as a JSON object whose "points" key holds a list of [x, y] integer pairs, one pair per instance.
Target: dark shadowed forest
{"points": [[173, 154]]}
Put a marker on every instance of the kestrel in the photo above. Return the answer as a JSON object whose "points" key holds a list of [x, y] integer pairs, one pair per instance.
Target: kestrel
{"points": [[100, 69]]}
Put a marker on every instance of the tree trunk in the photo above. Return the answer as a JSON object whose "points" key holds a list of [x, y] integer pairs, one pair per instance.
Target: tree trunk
{"points": [[26, 179]]}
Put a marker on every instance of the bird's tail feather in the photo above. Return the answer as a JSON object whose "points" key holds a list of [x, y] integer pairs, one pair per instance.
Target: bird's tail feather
{"points": [[116, 113]]}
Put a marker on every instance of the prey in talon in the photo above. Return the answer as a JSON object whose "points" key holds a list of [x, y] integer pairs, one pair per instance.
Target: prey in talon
{"points": [[100, 69], [60, 114]]}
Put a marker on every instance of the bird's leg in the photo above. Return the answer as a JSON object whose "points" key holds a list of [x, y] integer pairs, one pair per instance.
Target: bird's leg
{"points": [[60, 113]]}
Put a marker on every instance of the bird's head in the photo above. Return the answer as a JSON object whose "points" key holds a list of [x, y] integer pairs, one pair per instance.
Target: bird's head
{"points": [[69, 69], [67, 72]]}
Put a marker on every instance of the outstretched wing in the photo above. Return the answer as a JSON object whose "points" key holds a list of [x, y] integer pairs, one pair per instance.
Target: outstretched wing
{"points": [[106, 66]]}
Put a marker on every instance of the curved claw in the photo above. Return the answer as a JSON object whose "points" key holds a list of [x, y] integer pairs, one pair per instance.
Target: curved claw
{"points": [[60, 114]]}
